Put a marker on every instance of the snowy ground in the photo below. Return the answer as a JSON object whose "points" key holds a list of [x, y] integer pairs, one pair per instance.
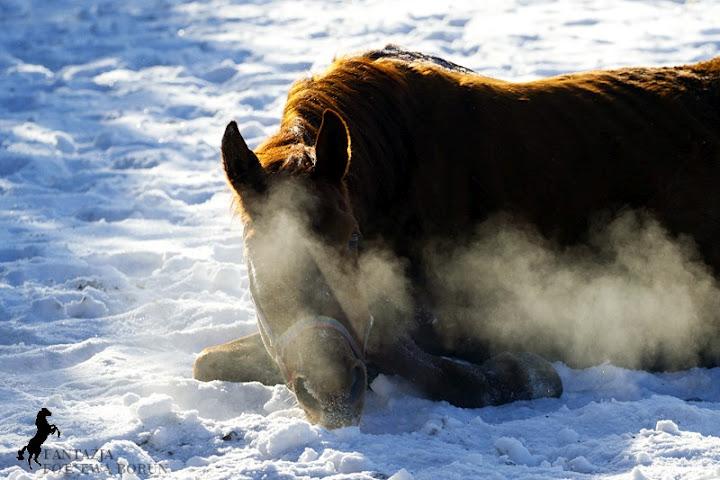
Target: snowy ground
{"points": [[119, 259]]}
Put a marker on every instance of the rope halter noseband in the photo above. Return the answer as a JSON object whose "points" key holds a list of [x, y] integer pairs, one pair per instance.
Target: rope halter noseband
{"points": [[277, 346]]}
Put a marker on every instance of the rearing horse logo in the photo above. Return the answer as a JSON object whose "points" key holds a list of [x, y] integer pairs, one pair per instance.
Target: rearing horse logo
{"points": [[44, 429]]}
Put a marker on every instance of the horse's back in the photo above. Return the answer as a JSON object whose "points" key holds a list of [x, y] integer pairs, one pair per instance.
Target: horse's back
{"points": [[557, 151], [639, 138], [437, 148]]}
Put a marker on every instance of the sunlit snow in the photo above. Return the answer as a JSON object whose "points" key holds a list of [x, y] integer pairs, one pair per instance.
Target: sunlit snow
{"points": [[120, 259]]}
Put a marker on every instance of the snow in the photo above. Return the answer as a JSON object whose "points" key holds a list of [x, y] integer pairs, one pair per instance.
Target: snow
{"points": [[286, 436], [120, 259], [401, 474], [667, 426], [516, 452]]}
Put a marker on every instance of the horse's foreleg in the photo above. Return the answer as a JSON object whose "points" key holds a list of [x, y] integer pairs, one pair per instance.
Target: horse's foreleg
{"points": [[474, 373], [241, 360], [462, 385], [504, 378], [20, 455]]}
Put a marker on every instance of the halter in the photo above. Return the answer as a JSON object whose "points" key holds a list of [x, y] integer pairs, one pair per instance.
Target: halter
{"points": [[276, 346], [279, 345]]}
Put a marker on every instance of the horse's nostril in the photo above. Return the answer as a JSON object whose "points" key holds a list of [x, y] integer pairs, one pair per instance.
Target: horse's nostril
{"points": [[304, 396], [359, 383]]}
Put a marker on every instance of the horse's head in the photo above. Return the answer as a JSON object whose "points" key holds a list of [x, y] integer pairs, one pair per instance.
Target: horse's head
{"points": [[44, 412], [301, 247]]}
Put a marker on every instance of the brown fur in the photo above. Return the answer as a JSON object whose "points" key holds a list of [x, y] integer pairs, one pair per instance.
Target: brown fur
{"points": [[436, 149], [441, 150]]}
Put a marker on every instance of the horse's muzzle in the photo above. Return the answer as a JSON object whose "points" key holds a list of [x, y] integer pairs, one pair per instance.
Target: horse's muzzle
{"points": [[333, 407]]}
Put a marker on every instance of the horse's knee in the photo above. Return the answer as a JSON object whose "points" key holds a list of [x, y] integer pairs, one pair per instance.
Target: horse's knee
{"points": [[209, 365], [242, 360]]}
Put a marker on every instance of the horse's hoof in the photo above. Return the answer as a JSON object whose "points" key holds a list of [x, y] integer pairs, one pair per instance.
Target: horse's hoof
{"points": [[522, 376], [543, 379]]}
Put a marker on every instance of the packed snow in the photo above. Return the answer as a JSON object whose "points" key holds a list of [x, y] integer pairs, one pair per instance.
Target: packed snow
{"points": [[120, 259]]}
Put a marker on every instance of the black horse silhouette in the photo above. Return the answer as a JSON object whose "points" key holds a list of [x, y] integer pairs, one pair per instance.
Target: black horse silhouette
{"points": [[44, 429]]}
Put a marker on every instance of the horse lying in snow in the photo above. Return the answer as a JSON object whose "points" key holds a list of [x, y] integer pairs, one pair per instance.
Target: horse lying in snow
{"points": [[397, 149]]}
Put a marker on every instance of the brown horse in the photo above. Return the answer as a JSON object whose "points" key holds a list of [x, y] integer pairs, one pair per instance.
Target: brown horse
{"points": [[391, 151]]}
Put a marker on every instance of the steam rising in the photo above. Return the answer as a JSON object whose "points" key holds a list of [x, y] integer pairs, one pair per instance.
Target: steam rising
{"points": [[634, 296], [388, 293]]}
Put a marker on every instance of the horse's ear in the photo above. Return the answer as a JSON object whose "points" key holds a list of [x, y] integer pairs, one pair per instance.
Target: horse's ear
{"points": [[332, 148], [242, 166]]}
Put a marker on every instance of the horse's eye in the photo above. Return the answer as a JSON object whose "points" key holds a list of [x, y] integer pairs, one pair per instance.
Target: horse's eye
{"points": [[354, 243]]}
